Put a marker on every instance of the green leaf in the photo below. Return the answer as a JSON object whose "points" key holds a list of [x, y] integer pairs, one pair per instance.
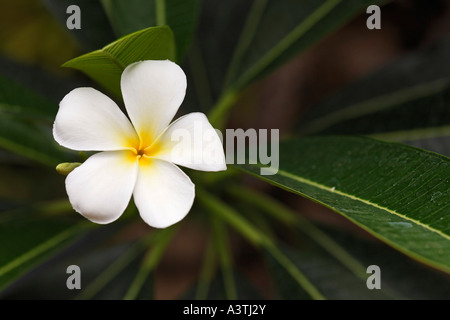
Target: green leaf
{"points": [[423, 113], [324, 254], [402, 277], [255, 236], [107, 269], [332, 279], [149, 263], [245, 289], [19, 101], [107, 64], [275, 31], [403, 101], [209, 57], [113, 280], [30, 241], [395, 192], [28, 140], [207, 272], [224, 253], [24, 124], [180, 16]]}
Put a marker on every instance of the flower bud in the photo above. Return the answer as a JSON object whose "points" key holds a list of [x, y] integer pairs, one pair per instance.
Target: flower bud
{"points": [[66, 167]]}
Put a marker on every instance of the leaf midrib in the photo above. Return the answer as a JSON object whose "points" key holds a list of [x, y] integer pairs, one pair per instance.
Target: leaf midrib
{"points": [[343, 194], [113, 59]]}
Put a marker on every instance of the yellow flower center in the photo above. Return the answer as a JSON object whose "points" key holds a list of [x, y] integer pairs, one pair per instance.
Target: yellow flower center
{"points": [[143, 150]]}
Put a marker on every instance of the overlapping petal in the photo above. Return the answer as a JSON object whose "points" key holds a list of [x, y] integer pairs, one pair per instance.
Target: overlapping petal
{"points": [[152, 92], [88, 120], [163, 194], [192, 142], [100, 189]]}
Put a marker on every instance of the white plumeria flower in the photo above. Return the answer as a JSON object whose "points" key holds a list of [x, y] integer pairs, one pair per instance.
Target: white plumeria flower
{"points": [[137, 158]]}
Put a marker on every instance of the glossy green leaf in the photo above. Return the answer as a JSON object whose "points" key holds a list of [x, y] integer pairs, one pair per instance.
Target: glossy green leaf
{"points": [[28, 241], [277, 30], [107, 64], [132, 15], [396, 192]]}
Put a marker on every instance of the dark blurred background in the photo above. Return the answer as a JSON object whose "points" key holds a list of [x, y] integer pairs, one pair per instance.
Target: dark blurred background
{"points": [[31, 52]]}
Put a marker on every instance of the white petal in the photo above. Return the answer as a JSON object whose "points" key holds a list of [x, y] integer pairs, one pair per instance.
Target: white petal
{"points": [[88, 120], [192, 142], [163, 194], [101, 187], [153, 91]]}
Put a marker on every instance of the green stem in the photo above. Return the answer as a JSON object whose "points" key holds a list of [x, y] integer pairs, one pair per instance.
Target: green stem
{"points": [[223, 211], [230, 216], [223, 249], [206, 273], [247, 35], [375, 104], [290, 218], [218, 114], [162, 239], [260, 221], [295, 272], [114, 269], [284, 214], [42, 248], [160, 9], [264, 202], [282, 46], [200, 77], [40, 210], [27, 152]]}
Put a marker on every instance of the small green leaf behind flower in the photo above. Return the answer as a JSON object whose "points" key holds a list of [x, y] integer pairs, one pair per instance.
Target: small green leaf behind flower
{"points": [[106, 65]]}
